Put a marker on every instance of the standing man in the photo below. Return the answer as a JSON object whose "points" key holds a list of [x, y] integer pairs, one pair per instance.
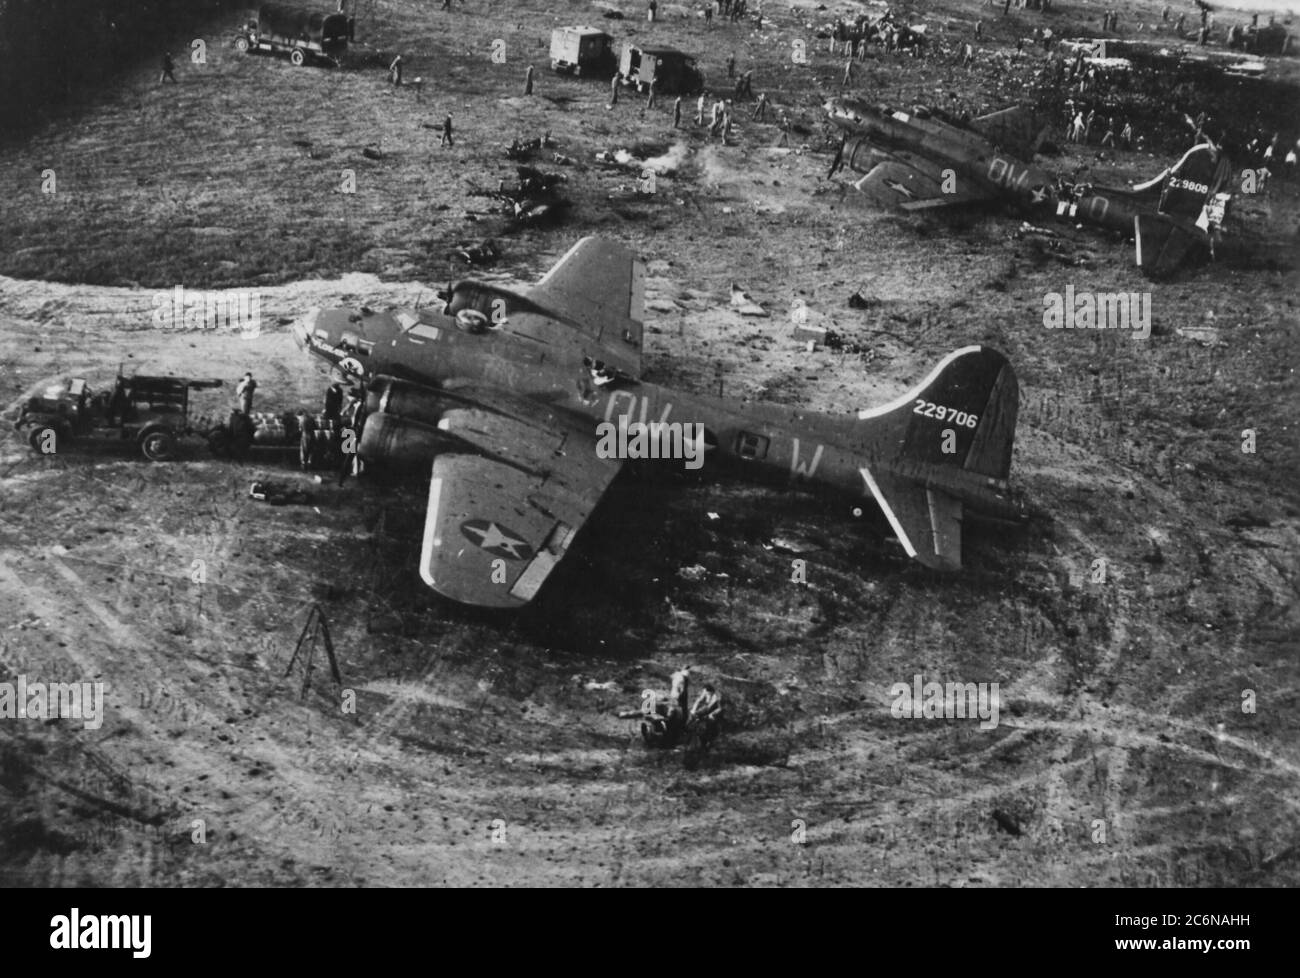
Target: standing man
{"points": [[760, 110], [731, 66], [650, 98], [678, 693], [613, 90], [708, 15], [528, 81], [446, 132], [677, 113], [395, 72], [847, 80], [699, 108], [168, 66], [652, 11], [708, 710], [333, 402], [244, 392]]}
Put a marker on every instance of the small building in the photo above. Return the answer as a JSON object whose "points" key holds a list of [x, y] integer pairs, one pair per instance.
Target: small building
{"points": [[672, 71], [582, 51]]}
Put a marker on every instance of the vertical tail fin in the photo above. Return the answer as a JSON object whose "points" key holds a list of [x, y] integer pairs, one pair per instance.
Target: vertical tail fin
{"points": [[962, 415]]}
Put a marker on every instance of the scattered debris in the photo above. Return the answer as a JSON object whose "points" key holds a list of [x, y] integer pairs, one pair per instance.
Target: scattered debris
{"points": [[483, 253], [278, 494]]}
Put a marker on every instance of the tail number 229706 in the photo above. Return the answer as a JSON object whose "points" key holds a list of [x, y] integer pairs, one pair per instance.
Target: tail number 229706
{"points": [[928, 409]]}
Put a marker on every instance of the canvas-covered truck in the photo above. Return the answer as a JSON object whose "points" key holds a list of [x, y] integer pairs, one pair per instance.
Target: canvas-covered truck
{"points": [[152, 412], [582, 51], [301, 32], [672, 72]]}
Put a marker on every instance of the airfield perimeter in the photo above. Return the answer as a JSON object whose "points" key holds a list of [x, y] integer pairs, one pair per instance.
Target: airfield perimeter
{"points": [[1121, 700]]}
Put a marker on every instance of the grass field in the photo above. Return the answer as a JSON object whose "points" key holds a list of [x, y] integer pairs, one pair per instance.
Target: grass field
{"points": [[1122, 697]]}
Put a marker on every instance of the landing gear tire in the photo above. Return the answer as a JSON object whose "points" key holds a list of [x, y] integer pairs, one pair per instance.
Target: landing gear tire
{"points": [[297, 57], [43, 435]]}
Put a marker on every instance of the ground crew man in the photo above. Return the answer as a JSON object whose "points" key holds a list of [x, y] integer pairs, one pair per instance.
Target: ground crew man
{"points": [[760, 110], [677, 113], [446, 132], [168, 66], [395, 72], [333, 402], [528, 81], [244, 392], [613, 90], [708, 710], [699, 108], [678, 689], [731, 66], [650, 98]]}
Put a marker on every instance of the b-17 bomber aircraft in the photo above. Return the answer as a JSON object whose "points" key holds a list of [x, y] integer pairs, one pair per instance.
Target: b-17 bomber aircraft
{"points": [[925, 159], [526, 405]]}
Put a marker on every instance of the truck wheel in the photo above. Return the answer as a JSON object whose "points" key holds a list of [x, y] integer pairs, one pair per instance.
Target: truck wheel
{"points": [[43, 435], [158, 446], [297, 57], [219, 442], [241, 44]]}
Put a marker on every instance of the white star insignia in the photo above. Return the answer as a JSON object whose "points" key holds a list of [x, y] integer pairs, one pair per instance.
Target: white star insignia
{"points": [[493, 539]]}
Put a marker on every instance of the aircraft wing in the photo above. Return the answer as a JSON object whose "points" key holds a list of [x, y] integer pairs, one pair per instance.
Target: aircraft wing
{"points": [[927, 522], [599, 286], [915, 184], [497, 523]]}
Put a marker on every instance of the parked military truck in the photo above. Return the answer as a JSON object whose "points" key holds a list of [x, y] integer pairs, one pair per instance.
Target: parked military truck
{"points": [[671, 71], [153, 412], [582, 51], [302, 33]]}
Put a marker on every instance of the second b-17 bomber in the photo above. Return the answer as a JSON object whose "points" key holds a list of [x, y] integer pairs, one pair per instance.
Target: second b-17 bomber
{"points": [[925, 159], [527, 404]]}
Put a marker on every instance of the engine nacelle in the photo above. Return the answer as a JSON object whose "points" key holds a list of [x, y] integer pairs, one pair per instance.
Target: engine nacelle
{"points": [[399, 440], [405, 400]]}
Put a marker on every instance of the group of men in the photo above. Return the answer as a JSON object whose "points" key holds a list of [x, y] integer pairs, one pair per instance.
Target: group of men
{"points": [[1080, 121], [666, 716]]}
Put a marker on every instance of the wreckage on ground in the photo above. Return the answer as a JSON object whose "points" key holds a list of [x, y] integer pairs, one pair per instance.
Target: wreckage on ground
{"points": [[524, 407], [926, 159]]}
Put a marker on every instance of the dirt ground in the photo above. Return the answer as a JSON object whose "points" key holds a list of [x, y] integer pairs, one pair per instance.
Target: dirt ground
{"points": [[485, 750]]}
